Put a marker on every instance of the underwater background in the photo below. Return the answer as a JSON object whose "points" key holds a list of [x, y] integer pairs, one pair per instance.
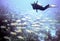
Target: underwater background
{"points": [[19, 22]]}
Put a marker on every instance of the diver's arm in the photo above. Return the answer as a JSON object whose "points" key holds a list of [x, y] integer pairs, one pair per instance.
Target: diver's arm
{"points": [[36, 2], [36, 10]]}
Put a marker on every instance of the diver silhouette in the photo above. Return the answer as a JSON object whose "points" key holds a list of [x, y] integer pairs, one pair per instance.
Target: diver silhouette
{"points": [[36, 6]]}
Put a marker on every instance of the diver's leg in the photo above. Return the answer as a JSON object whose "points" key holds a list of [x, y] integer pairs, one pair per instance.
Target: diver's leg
{"points": [[36, 10], [47, 6], [52, 6], [43, 8]]}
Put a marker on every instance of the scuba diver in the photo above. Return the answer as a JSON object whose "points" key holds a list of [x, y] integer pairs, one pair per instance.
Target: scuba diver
{"points": [[36, 6]]}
